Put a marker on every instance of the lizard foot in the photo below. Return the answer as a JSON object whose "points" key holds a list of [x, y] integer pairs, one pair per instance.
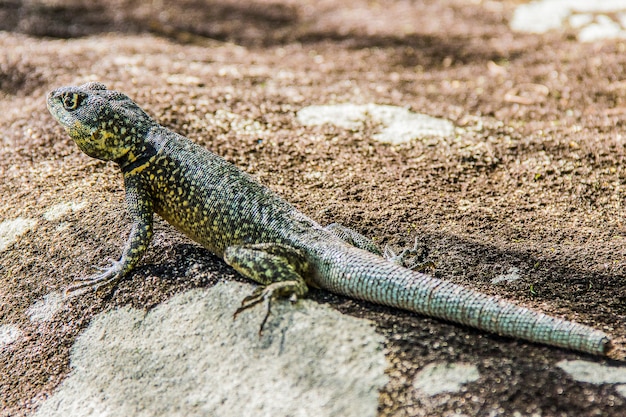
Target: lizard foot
{"points": [[267, 294], [109, 277], [408, 258]]}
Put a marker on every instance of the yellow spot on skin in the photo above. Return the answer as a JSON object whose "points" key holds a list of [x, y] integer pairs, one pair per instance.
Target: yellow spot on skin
{"points": [[141, 168]]}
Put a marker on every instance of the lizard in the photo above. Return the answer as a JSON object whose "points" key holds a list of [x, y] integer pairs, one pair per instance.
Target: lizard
{"points": [[262, 236]]}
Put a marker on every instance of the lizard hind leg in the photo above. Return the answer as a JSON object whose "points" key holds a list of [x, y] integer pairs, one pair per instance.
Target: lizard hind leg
{"points": [[407, 258], [279, 268], [354, 238]]}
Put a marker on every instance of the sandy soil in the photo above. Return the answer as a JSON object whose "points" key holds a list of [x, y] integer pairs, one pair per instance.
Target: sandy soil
{"points": [[535, 181]]}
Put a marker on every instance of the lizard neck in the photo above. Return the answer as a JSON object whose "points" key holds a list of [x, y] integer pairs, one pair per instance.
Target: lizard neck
{"points": [[131, 160]]}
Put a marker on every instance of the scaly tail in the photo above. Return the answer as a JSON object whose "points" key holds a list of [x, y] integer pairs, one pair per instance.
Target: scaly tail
{"points": [[360, 274]]}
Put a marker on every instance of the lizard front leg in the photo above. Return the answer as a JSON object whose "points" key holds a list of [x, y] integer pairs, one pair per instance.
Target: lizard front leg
{"points": [[280, 268], [139, 205]]}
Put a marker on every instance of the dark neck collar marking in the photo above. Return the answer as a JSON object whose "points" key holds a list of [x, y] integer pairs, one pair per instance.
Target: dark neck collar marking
{"points": [[145, 155]]}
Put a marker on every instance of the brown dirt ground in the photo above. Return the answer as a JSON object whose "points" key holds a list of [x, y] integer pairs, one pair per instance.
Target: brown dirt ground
{"points": [[536, 181]]}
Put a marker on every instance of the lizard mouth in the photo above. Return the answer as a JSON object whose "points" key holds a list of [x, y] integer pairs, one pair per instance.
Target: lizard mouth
{"points": [[50, 97], [54, 105]]}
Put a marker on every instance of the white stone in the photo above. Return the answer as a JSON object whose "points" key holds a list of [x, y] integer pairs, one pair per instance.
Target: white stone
{"points": [[603, 6], [348, 116], [544, 15], [540, 16], [9, 334], [436, 378], [44, 309], [11, 230], [188, 357], [593, 373], [183, 79], [513, 274], [579, 20], [398, 124], [604, 28], [57, 211]]}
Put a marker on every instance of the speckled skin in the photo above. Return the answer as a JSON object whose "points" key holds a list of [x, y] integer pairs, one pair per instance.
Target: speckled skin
{"points": [[261, 235]]}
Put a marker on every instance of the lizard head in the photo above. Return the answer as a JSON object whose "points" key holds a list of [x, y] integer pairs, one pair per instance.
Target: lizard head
{"points": [[105, 124]]}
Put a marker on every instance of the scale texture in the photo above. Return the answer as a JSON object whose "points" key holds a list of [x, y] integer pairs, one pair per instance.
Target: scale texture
{"points": [[261, 235]]}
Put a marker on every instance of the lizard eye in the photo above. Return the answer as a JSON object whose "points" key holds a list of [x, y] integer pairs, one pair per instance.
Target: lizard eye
{"points": [[71, 101]]}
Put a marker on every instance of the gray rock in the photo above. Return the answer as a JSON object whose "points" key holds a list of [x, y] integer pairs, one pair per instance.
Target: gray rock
{"points": [[188, 357], [436, 378], [398, 125]]}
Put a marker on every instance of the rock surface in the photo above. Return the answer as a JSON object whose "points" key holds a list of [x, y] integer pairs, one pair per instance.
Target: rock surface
{"points": [[524, 186], [188, 357]]}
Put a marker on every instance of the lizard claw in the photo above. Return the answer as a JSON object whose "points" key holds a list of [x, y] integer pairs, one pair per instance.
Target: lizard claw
{"points": [[260, 294], [102, 269], [389, 254], [107, 278], [250, 301], [408, 258], [398, 258], [421, 266], [290, 289], [113, 263]]}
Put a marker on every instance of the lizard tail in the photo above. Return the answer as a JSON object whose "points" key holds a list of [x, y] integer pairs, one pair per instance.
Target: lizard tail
{"points": [[371, 278]]}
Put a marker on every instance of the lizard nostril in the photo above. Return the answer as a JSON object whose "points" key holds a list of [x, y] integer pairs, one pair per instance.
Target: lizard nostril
{"points": [[53, 94]]}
